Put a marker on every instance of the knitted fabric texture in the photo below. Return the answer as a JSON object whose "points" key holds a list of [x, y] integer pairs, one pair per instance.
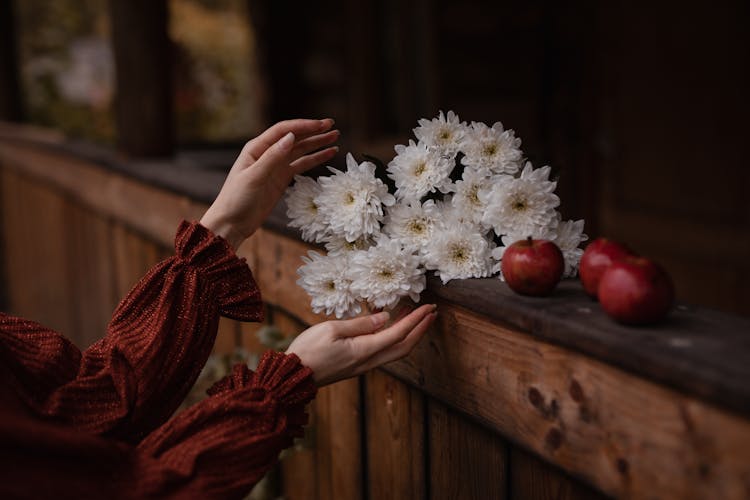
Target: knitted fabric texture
{"points": [[95, 423]]}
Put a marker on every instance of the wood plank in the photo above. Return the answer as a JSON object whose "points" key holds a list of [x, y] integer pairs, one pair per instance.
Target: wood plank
{"points": [[323, 449], [133, 255], [152, 211], [466, 460], [395, 422], [338, 450], [278, 260], [89, 271], [298, 467], [533, 479], [226, 337], [299, 479], [142, 52], [697, 350], [36, 233], [627, 436]]}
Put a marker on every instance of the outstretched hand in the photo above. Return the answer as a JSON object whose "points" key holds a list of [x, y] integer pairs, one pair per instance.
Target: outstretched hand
{"points": [[335, 350], [262, 172]]}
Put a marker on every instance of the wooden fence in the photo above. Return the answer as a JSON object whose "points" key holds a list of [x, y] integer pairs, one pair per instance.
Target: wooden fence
{"points": [[494, 403]]}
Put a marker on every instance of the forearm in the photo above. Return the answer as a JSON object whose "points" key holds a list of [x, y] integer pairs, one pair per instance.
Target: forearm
{"points": [[160, 336]]}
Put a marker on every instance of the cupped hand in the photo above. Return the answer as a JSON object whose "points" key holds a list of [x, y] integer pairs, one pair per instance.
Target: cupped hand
{"points": [[335, 350], [262, 172]]}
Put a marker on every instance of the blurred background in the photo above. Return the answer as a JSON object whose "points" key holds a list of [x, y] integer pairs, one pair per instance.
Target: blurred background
{"points": [[119, 118], [640, 107]]}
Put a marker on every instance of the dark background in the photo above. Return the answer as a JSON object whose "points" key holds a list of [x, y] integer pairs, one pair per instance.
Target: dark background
{"points": [[640, 108]]}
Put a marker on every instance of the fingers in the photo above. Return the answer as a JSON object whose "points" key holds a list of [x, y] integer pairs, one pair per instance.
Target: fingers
{"points": [[275, 156], [301, 128], [312, 143], [312, 160], [368, 345], [362, 325], [400, 349]]}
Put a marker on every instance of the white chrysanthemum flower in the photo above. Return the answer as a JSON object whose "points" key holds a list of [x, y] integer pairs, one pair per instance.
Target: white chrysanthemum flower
{"points": [[385, 273], [303, 211], [352, 201], [443, 134], [470, 194], [326, 280], [459, 252], [537, 233], [412, 224], [521, 205], [491, 149], [568, 237], [418, 171], [449, 216], [338, 245]]}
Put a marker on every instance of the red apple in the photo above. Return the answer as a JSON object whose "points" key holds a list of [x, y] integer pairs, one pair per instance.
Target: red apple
{"points": [[532, 267], [636, 291], [598, 256]]}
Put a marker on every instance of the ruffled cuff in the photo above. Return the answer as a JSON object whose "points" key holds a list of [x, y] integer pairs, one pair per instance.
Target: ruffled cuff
{"points": [[235, 289], [283, 378]]}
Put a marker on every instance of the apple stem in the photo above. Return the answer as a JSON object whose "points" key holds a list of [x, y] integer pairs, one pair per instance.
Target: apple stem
{"points": [[528, 238]]}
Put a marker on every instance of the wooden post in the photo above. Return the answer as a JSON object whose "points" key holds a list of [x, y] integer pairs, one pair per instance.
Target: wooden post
{"points": [[10, 91], [143, 103], [281, 31]]}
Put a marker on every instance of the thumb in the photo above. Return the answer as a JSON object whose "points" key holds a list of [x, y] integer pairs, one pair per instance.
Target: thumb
{"points": [[276, 156], [362, 325]]}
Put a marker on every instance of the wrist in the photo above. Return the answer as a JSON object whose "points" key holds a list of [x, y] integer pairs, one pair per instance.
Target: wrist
{"points": [[223, 228]]}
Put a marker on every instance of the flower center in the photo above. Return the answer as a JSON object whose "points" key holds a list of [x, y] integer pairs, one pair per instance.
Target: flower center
{"points": [[331, 286], [386, 274], [489, 149], [519, 205], [417, 226], [420, 168], [313, 207], [459, 253], [445, 135], [349, 199]]}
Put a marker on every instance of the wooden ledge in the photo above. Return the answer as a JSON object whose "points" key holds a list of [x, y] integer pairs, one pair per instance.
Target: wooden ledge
{"points": [[698, 351]]}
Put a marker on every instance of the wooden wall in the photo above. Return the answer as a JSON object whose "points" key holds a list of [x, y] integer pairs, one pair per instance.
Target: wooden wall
{"points": [[479, 410]]}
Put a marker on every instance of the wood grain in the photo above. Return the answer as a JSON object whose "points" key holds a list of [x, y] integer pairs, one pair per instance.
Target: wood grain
{"points": [[700, 351], [626, 435], [395, 420], [466, 460], [90, 273], [35, 231], [338, 449], [133, 254], [533, 479], [278, 259], [151, 211]]}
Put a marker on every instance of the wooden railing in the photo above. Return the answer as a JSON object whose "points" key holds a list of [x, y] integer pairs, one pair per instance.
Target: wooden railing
{"points": [[507, 397]]}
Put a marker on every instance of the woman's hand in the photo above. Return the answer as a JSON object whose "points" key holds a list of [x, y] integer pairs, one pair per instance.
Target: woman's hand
{"points": [[262, 172], [335, 350]]}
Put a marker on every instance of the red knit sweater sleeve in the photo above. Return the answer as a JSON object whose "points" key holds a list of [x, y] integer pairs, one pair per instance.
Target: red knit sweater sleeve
{"points": [[222, 446], [218, 448], [129, 382]]}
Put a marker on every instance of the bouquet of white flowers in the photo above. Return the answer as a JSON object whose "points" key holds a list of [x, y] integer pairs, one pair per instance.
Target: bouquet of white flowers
{"points": [[462, 195]]}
